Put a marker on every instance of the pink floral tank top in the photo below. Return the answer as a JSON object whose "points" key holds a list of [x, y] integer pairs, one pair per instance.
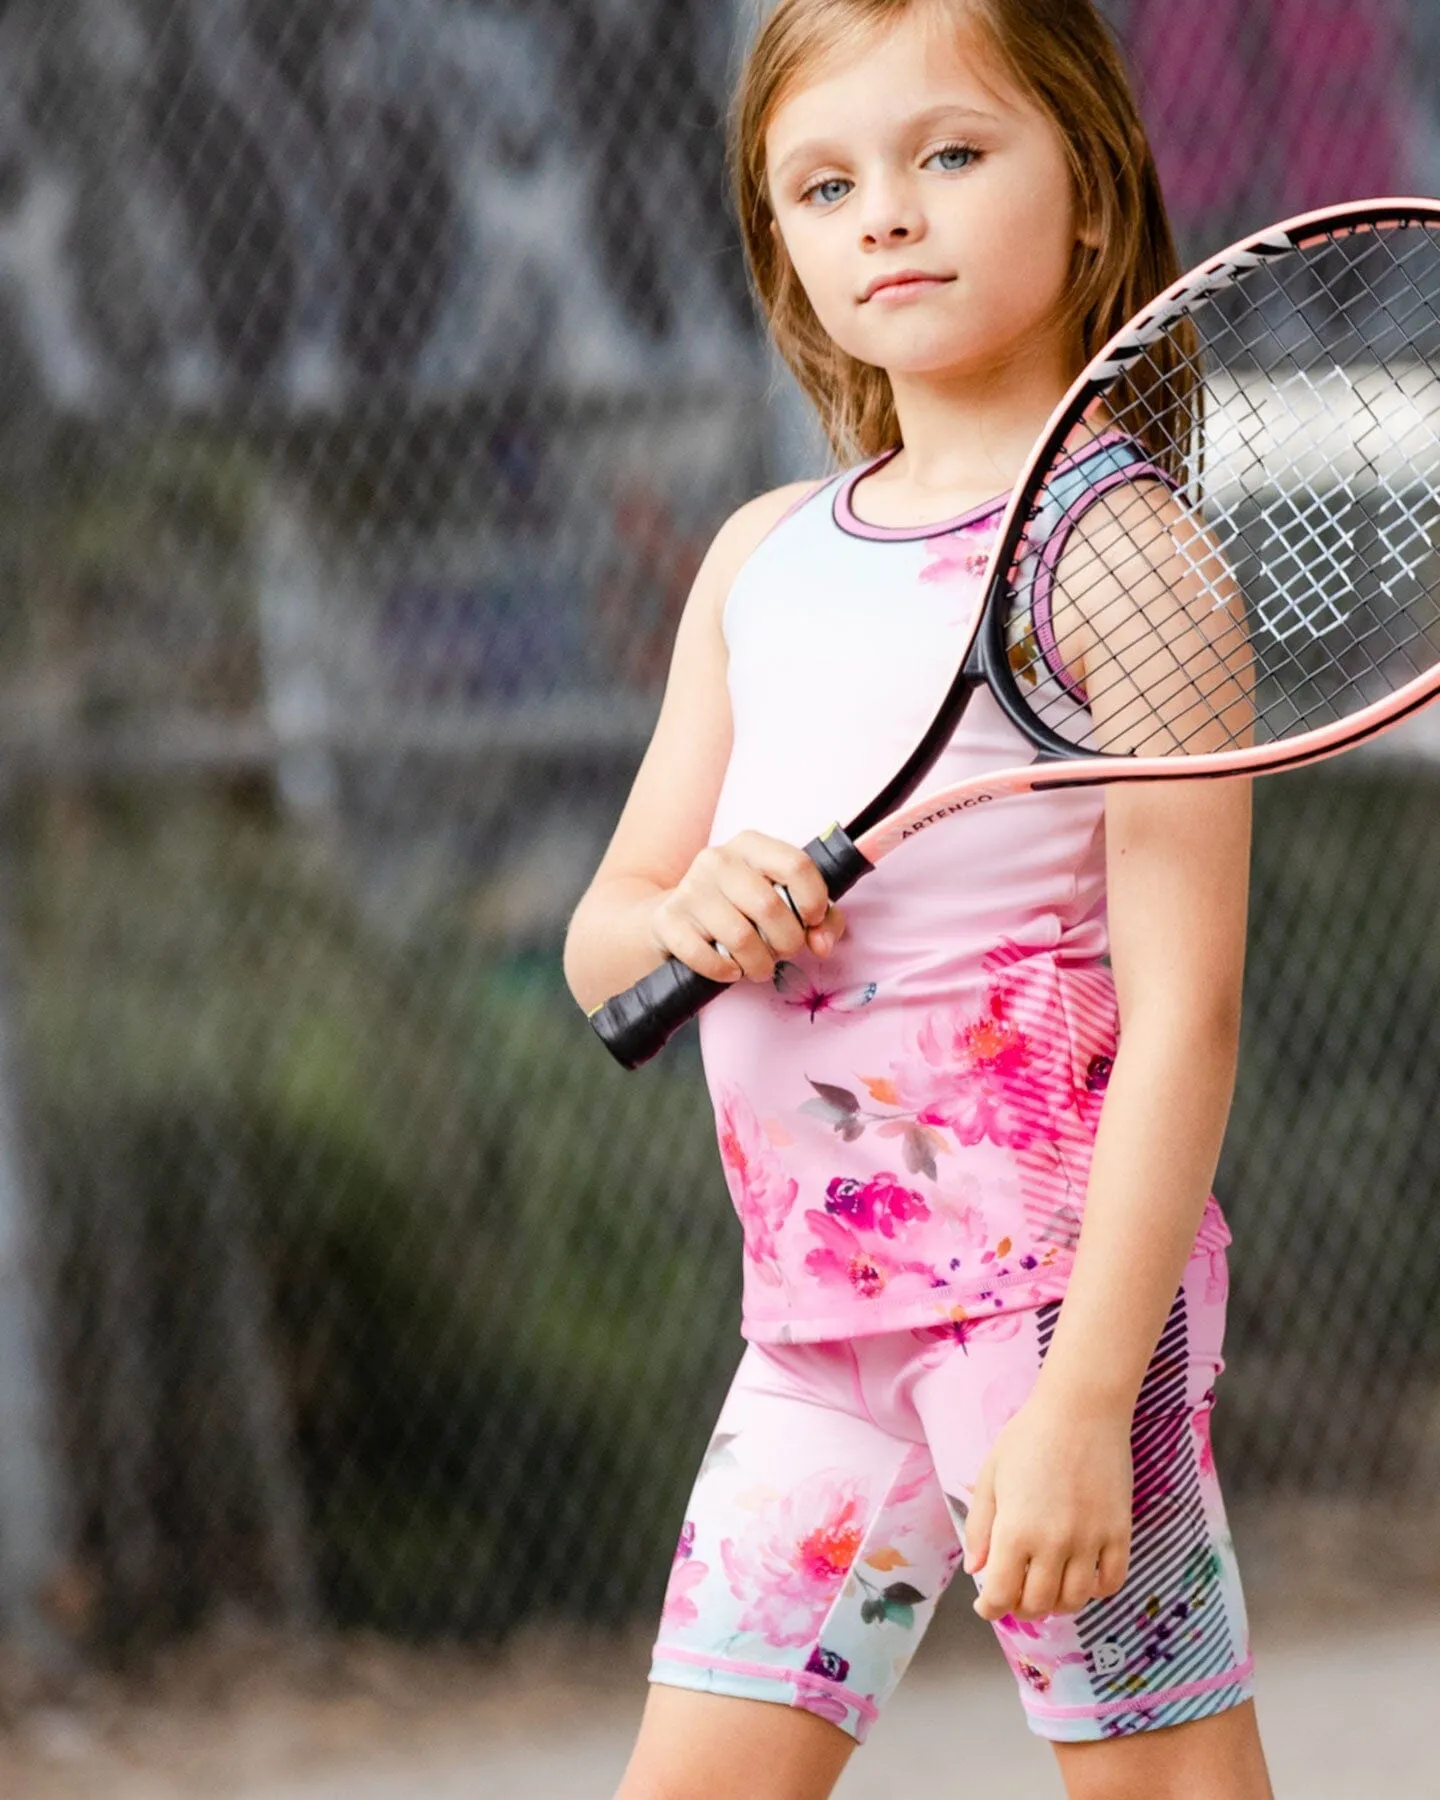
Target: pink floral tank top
{"points": [[906, 1127]]}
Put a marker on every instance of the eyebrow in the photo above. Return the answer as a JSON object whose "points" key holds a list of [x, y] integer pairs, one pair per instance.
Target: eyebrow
{"points": [[816, 149]]}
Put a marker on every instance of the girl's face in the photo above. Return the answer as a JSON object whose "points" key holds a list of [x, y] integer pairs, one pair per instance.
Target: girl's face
{"points": [[913, 157]]}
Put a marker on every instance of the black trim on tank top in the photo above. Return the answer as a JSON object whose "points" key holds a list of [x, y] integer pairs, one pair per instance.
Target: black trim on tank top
{"points": [[842, 510]]}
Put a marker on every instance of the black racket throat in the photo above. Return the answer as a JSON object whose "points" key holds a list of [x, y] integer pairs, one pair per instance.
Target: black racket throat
{"points": [[922, 758], [986, 665], [990, 660]]}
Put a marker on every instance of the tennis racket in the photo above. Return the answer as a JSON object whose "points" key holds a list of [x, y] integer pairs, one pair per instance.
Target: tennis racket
{"points": [[1223, 557]]}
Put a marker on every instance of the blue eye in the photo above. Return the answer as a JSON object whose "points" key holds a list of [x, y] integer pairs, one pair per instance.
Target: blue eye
{"points": [[953, 159], [823, 190]]}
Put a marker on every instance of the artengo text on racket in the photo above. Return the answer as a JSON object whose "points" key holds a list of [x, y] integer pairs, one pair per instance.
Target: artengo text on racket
{"points": [[945, 812]]}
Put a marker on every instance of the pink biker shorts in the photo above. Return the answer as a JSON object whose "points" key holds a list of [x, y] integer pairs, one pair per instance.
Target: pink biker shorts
{"points": [[826, 1522]]}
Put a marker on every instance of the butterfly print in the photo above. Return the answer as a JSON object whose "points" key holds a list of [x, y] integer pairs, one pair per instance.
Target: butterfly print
{"points": [[796, 989]]}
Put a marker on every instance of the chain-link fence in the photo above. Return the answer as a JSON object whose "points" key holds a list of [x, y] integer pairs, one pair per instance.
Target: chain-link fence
{"points": [[372, 374]]}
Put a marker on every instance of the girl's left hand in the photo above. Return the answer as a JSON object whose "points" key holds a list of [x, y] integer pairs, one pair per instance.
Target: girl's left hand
{"points": [[1050, 1519]]}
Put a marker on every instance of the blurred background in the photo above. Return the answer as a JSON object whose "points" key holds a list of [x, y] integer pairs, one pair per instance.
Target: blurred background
{"points": [[372, 376]]}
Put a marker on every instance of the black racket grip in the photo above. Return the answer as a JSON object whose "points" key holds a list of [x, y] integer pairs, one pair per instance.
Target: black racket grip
{"points": [[838, 861], [641, 1021], [636, 1025]]}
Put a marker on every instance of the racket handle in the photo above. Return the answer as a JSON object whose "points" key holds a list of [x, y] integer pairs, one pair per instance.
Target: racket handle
{"points": [[641, 1021], [635, 1025], [838, 861]]}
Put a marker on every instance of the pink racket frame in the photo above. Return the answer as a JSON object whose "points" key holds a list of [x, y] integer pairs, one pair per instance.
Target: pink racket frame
{"points": [[1123, 348]]}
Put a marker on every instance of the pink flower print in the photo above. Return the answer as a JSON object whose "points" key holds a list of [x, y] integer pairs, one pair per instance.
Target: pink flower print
{"points": [[763, 1193], [827, 1706], [1200, 1425], [790, 1565], [1076, 1012], [1032, 1673], [982, 1075], [1217, 1279], [1030, 1628], [679, 1609], [966, 1233], [1041, 1675], [1211, 1242], [845, 1260], [874, 1205], [958, 556]]}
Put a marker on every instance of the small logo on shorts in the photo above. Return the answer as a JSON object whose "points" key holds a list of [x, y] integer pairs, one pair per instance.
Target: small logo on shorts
{"points": [[1108, 1657]]}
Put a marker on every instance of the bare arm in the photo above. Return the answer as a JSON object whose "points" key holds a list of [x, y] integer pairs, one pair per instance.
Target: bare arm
{"points": [[658, 889], [1161, 635], [1178, 862], [1178, 868]]}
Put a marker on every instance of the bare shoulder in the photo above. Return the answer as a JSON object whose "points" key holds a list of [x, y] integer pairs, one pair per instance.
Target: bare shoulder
{"points": [[766, 510], [1140, 542], [747, 527], [1142, 515]]}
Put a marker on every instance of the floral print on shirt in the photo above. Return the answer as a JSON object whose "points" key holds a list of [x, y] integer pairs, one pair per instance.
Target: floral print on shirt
{"points": [[763, 1193], [1002, 1070]]}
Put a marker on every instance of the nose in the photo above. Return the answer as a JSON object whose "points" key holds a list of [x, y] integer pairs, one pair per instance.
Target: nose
{"points": [[890, 215]]}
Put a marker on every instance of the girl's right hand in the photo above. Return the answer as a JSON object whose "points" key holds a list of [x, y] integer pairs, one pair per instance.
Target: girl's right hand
{"points": [[730, 895]]}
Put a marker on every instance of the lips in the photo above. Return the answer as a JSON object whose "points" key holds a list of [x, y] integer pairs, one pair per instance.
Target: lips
{"points": [[904, 278]]}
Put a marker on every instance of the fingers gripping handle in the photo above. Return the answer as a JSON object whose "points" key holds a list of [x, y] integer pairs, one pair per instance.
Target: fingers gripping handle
{"points": [[636, 1024]]}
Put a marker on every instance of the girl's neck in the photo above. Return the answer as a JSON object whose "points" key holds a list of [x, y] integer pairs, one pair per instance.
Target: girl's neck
{"points": [[967, 438]]}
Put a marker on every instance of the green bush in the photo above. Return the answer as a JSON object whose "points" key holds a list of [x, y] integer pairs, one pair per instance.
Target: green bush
{"points": [[497, 1271]]}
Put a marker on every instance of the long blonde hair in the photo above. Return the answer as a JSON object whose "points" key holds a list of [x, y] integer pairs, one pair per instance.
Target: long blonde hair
{"points": [[1059, 53]]}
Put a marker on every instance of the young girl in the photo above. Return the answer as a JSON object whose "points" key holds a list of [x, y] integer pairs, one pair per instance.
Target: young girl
{"points": [[984, 1280]]}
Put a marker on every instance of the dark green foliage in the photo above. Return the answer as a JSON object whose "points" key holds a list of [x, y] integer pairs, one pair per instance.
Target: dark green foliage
{"points": [[496, 1277]]}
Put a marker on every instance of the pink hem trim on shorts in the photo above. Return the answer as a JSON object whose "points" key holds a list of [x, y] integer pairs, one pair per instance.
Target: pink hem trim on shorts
{"points": [[1144, 1702], [796, 1677]]}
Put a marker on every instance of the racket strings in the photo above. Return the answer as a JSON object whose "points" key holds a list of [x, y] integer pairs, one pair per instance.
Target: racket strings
{"points": [[1286, 575]]}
